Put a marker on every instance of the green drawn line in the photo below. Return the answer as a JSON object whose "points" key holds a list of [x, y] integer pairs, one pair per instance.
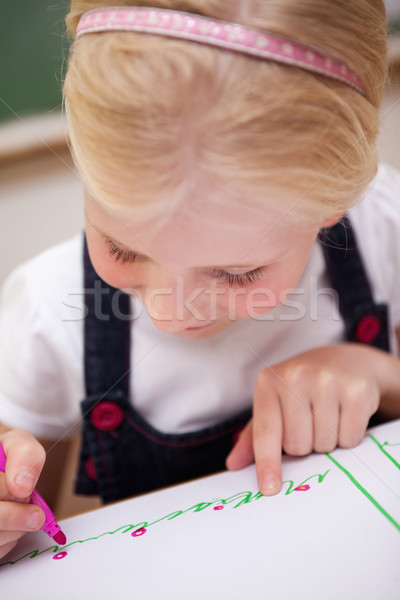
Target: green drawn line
{"points": [[56, 548], [237, 500], [382, 449], [292, 487], [365, 492]]}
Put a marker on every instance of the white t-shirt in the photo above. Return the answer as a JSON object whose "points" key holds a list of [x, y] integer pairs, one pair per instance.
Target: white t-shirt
{"points": [[177, 384]]}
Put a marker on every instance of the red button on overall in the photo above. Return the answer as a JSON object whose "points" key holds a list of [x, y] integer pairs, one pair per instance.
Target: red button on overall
{"points": [[368, 329], [107, 416]]}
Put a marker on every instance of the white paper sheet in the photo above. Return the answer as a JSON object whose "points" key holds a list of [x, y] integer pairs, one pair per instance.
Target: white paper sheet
{"points": [[333, 532]]}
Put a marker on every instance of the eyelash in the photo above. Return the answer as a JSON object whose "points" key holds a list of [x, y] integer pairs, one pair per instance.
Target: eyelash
{"points": [[119, 255], [242, 279]]}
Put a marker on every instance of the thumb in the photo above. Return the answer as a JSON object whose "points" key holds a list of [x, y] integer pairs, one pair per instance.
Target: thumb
{"points": [[25, 460], [242, 454]]}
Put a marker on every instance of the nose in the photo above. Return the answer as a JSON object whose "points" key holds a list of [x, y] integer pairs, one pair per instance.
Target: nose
{"points": [[175, 303]]}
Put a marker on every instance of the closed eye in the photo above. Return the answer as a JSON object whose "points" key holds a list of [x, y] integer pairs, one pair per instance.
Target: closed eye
{"points": [[241, 279], [119, 255]]}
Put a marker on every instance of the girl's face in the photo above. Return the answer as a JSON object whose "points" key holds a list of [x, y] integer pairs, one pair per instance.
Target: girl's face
{"points": [[209, 265]]}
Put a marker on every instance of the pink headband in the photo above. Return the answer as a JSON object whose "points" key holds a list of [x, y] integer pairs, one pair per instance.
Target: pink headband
{"points": [[229, 36]]}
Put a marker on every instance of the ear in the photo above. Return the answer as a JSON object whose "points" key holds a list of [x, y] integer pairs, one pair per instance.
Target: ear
{"points": [[332, 220]]}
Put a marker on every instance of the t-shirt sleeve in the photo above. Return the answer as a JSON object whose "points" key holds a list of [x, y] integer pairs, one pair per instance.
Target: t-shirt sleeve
{"points": [[40, 361], [377, 225]]}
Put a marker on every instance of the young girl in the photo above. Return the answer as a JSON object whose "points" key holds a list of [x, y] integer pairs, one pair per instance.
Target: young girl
{"points": [[232, 297]]}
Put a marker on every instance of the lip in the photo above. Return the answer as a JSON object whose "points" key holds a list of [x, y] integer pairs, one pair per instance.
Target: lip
{"points": [[198, 328]]}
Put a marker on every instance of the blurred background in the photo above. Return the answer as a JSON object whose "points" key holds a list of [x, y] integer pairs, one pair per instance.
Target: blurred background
{"points": [[40, 191]]}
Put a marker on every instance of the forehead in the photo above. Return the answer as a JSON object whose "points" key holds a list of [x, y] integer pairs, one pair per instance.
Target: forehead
{"points": [[211, 228]]}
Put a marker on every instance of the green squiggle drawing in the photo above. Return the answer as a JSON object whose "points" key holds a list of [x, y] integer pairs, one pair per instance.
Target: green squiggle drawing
{"points": [[236, 500], [292, 487], [55, 549]]}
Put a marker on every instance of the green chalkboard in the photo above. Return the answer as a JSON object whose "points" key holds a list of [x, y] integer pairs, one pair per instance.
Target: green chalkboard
{"points": [[33, 50]]}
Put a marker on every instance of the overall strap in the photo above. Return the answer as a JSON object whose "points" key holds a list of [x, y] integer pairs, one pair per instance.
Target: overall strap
{"points": [[365, 321], [107, 348]]}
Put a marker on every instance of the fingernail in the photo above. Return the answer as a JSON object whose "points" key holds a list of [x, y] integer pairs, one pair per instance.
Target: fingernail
{"points": [[26, 482], [34, 520], [270, 486]]}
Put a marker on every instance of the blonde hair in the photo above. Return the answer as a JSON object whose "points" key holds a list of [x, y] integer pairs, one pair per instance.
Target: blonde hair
{"points": [[148, 115]]}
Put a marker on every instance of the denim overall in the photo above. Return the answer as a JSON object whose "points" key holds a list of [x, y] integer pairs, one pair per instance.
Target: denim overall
{"points": [[121, 454]]}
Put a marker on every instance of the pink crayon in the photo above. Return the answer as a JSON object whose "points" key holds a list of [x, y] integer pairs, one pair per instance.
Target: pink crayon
{"points": [[50, 526]]}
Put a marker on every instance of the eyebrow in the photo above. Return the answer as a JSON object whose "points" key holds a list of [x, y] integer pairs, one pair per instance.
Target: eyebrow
{"points": [[144, 257]]}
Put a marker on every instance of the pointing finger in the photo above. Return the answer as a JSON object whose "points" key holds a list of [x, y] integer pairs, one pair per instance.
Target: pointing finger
{"points": [[267, 436]]}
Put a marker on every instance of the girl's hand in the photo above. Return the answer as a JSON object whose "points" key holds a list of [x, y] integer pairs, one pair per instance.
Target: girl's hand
{"points": [[25, 460], [314, 401]]}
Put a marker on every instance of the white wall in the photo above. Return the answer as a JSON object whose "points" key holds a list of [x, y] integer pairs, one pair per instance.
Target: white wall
{"points": [[40, 205]]}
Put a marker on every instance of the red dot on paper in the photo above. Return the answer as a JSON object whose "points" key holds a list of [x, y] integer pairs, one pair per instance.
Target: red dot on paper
{"points": [[60, 555], [138, 532], [302, 488], [218, 507]]}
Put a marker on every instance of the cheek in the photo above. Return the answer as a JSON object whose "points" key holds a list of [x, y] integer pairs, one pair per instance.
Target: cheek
{"points": [[263, 295], [250, 302]]}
